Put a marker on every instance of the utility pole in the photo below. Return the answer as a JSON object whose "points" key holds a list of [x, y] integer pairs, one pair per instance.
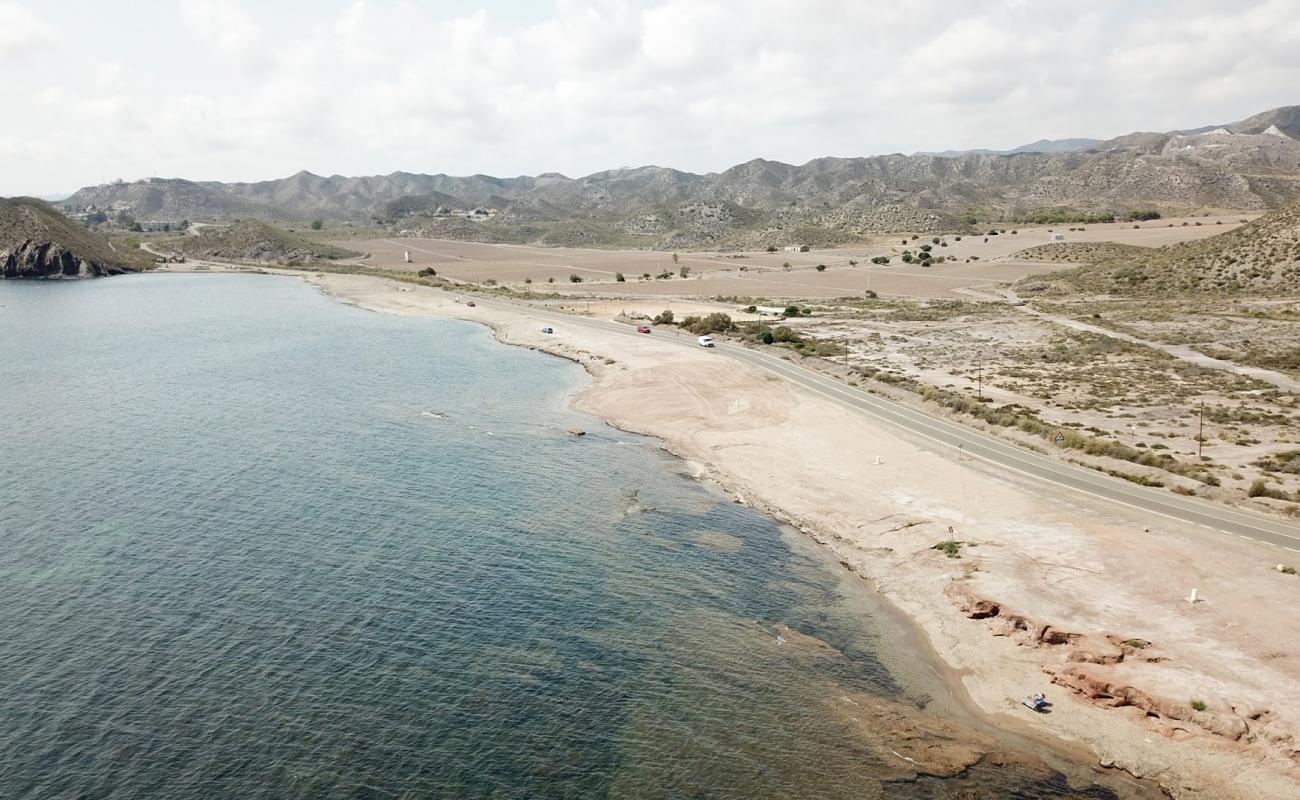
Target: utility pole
{"points": [[1200, 431], [979, 391]]}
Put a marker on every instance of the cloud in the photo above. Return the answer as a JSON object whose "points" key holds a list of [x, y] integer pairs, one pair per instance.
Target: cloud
{"points": [[380, 85], [21, 31], [227, 28]]}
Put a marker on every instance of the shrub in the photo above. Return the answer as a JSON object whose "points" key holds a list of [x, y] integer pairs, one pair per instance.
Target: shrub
{"points": [[317, 224], [751, 309], [1260, 488], [871, 294], [428, 272], [684, 271], [771, 248], [717, 322], [949, 547], [792, 311], [618, 277], [665, 317], [550, 280], [575, 278], [1199, 705], [821, 267]]}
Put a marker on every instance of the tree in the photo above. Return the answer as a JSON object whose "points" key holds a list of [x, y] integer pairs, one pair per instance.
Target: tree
{"points": [[751, 309], [317, 224], [771, 248], [665, 317], [618, 277], [792, 311], [684, 271]]}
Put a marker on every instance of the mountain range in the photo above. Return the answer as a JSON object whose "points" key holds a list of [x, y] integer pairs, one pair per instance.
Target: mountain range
{"points": [[1253, 164]]}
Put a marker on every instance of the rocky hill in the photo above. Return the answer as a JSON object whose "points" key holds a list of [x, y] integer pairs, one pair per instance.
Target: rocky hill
{"points": [[257, 241], [1261, 257], [1252, 164], [37, 241]]}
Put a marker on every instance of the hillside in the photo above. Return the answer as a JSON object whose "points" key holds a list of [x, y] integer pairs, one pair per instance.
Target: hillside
{"points": [[38, 242], [1261, 257], [1252, 164], [254, 240]]}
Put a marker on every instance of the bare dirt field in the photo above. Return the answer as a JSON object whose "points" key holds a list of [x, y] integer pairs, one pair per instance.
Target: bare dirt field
{"points": [[978, 261]]}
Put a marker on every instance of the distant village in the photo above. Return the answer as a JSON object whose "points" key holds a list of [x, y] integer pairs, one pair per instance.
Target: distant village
{"points": [[118, 215]]}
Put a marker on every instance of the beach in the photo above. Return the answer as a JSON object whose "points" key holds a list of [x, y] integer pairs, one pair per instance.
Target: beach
{"points": [[1039, 590]]}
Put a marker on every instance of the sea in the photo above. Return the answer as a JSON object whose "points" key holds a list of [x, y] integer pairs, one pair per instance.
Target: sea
{"points": [[258, 543]]}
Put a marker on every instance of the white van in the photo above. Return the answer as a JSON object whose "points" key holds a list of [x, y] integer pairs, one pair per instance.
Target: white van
{"points": [[706, 341]]}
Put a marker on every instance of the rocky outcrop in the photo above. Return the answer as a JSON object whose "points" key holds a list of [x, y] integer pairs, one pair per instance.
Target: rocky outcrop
{"points": [[1105, 670], [32, 259], [38, 242]]}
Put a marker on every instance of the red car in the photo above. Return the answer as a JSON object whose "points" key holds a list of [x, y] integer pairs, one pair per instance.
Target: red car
{"points": [[643, 329]]}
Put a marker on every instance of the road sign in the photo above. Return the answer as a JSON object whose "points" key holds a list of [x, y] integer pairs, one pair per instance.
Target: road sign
{"points": [[1060, 437]]}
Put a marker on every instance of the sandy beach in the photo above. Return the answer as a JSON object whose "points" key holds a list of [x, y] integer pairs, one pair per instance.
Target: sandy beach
{"points": [[1049, 590]]}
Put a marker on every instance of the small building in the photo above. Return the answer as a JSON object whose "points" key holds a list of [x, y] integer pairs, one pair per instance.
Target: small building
{"points": [[158, 226], [797, 248], [1058, 237]]}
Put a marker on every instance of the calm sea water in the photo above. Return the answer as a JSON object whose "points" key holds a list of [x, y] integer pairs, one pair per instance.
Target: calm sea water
{"points": [[258, 544]]}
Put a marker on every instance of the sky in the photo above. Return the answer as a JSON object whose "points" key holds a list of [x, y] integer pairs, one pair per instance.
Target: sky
{"points": [[245, 90]]}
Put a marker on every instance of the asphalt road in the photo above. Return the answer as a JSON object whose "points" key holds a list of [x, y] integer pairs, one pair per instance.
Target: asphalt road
{"points": [[976, 444]]}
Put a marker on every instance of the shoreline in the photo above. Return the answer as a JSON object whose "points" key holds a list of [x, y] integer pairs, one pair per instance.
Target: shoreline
{"points": [[975, 683]]}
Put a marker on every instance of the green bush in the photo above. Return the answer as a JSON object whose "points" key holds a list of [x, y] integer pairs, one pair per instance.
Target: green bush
{"points": [[618, 277], [665, 318], [575, 278], [428, 272], [821, 267], [949, 547]]}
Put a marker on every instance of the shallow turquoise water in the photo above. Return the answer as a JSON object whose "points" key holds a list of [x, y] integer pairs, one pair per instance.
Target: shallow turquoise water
{"points": [[255, 544]]}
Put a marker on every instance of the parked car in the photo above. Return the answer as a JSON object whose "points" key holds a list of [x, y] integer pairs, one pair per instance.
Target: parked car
{"points": [[706, 341], [548, 329], [470, 303], [643, 329]]}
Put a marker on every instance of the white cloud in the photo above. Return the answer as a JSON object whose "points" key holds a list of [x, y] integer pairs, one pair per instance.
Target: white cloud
{"points": [[379, 85], [226, 27], [21, 31]]}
